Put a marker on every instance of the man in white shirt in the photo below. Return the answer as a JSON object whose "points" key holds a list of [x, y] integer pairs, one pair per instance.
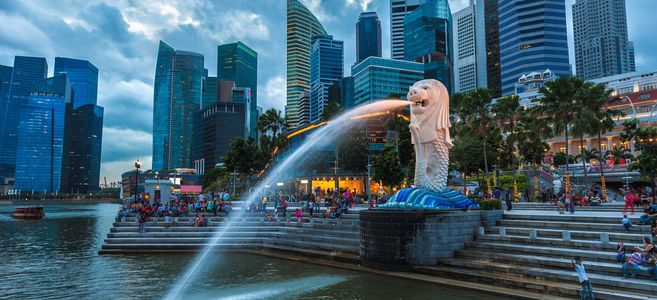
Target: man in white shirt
{"points": [[587, 289]]}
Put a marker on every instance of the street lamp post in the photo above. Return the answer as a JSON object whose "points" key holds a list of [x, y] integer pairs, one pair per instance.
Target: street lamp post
{"points": [[137, 165]]}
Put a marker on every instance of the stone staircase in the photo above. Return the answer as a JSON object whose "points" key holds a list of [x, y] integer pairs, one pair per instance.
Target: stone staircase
{"points": [[613, 206], [339, 239], [533, 251]]}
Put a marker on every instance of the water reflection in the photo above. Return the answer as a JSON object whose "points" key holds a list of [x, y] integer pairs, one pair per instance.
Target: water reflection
{"points": [[56, 258]]}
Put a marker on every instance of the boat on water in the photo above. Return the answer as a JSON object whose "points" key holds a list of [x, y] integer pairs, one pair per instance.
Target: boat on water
{"points": [[31, 212]]}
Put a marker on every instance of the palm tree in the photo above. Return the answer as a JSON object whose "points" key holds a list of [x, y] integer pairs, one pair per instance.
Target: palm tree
{"points": [[271, 122], [507, 111], [559, 105], [530, 134], [474, 109]]}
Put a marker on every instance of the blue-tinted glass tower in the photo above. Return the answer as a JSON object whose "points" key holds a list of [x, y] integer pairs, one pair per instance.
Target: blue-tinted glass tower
{"points": [[26, 70], [428, 39], [378, 78], [326, 68], [41, 135], [177, 97], [83, 77], [532, 38], [239, 63], [368, 36]]}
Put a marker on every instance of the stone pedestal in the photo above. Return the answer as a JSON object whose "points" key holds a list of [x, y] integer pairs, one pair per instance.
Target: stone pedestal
{"points": [[414, 237]]}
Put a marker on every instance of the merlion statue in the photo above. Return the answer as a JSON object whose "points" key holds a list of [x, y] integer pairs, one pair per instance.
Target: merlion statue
{"points": [[430, 133], [430, 136]]}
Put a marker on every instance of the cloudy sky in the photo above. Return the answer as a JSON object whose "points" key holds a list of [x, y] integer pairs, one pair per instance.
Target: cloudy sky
{"points": [[120, 37]]}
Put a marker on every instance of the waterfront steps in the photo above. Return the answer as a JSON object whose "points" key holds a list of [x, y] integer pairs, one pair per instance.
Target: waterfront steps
{"points": [[339, 238], [609, 207], [531, 250]]}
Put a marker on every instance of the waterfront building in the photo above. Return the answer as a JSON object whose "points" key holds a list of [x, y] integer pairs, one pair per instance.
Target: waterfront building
{"points": [[301, 26], [368, 36], [347, 92], [428, 40], [239, 63], [398, 10], [177, 98], [326, 68], [488, 44], [378, 78], [469, 71], [82, 149], [528, 85], [532, 38], [601, 44], [25, 71], [217, 127], [41, 135], [304, 108], [83, 76]]}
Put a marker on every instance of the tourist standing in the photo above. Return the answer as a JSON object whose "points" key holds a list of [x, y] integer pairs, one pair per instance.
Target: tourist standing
{"points": [[571, 205], [506, 195], [587, 289], [629, 201]]}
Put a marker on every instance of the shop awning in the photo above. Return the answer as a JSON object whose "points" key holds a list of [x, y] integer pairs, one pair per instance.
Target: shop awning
{"points": [[190, 189]]}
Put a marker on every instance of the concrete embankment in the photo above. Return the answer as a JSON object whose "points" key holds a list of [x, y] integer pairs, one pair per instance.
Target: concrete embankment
{"points": [[59, 201]]}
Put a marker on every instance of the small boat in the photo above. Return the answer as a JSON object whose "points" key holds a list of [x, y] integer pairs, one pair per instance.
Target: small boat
{"points": [[31, 212]]}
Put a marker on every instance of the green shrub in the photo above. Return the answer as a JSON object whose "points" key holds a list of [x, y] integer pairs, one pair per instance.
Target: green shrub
{"points": [[489, 204]]}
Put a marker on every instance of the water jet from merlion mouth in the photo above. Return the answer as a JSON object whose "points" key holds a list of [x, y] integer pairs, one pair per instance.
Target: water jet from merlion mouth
{"points": [[324, 135]]}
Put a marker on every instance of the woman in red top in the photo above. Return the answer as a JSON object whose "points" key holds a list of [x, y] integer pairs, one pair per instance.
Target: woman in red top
{"points": [[629, 202]]}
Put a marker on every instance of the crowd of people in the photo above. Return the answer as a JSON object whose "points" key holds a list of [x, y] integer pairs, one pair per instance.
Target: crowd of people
{"points": [[640, 256]]}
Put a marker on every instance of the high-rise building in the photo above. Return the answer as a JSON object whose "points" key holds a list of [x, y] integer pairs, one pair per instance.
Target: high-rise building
{"points": [[210, 91], [326, 68], [239, 63], [632, 57], [368, 36], [83, 76], [601, 45], [488, 45], [82, 149], [304, 108], [177, 98], [378, 78], [26, 70], [428, 39], [347, 92], [469, 64], [533, 38], [217, 126], [398, 10], [301, 26], [41, 135]]}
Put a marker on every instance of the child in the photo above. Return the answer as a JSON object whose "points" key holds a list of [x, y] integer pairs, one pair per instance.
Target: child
{"points": [[587, 289], [299, 215], [620, 253], [626, 223]]}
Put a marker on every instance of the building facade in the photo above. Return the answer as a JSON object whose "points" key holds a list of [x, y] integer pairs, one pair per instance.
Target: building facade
{"points": [[326, 68], [304, 108], [398, 10], [378, 78], [601, 44], [239, 63], [40, 147], [488, 45], [83, 76], [368, 36], [25, 71], [301, 26], [217, 127], [532, 38], [469, 74], [177, 98], [82, 149], [428, 40]]}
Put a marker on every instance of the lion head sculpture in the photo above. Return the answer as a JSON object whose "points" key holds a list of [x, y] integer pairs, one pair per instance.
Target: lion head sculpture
{"points": [[430, 110]]}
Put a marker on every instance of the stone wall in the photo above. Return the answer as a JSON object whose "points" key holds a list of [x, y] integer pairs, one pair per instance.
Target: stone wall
{"points": [[414, 237]]}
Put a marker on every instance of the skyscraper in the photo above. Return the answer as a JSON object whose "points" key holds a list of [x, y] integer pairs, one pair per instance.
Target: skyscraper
{"points": [[26, 70], [398, 10], [535, 45], [83, 77], [378, 78], [488, 44], [326, 68], [176, 99], [239, 63], [601, 45], [301, 26], [469, 63], [630, 47], [41, 135], [428, 39], [368, 36]]}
